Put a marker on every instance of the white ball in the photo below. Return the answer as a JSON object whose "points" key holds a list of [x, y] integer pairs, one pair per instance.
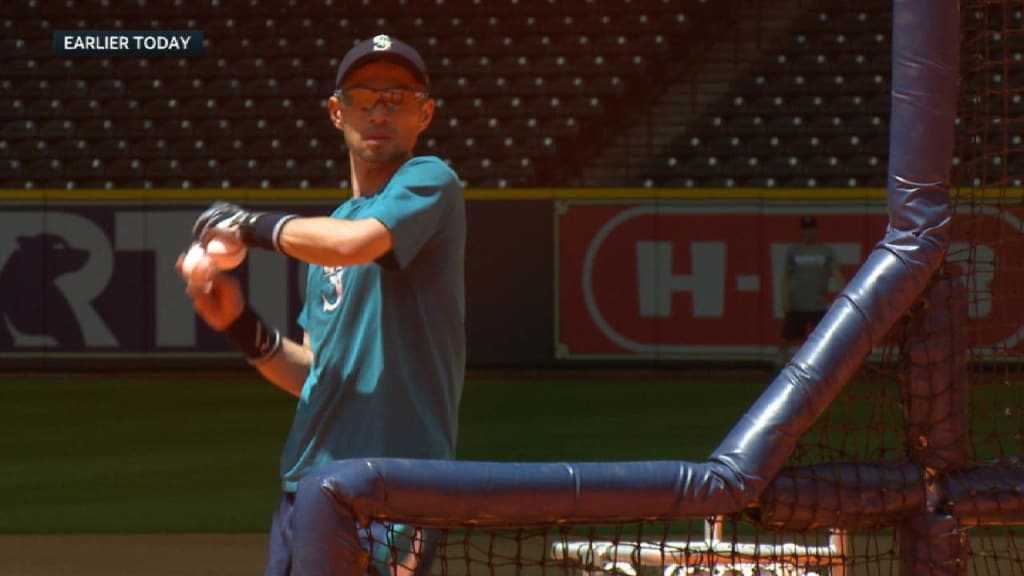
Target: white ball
{"points": [[225, 253], [195, 261]]}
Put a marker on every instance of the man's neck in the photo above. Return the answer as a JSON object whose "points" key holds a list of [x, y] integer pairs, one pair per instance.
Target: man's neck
{"points": [[368, 179]]}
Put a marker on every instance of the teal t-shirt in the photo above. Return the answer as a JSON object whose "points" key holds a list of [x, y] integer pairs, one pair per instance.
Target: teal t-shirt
{"points": [[388, 337]]}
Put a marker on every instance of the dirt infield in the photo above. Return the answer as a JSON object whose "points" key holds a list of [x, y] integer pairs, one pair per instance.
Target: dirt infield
{"points": [[133, 555]]}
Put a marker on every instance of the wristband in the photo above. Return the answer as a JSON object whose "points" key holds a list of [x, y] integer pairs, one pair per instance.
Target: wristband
{"points": [[265, 231], [253, 337]]}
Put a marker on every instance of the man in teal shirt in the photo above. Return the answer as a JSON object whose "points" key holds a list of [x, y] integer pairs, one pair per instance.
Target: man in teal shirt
{"points": [[381, 366]]}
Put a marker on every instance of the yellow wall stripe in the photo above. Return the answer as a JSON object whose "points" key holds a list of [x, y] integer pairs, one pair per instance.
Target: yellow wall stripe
{"points": [[328, 194]]}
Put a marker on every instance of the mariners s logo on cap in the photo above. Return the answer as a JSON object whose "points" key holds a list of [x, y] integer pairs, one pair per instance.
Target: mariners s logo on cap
{"points": [[382, 42], [383, 46]]}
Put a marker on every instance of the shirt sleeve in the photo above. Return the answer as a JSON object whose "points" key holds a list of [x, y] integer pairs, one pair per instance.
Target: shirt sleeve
{"points": [[303, 318], [415, 205]]}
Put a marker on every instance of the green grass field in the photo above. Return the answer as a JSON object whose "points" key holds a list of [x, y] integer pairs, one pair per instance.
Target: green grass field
{"points": [[183, 453]]}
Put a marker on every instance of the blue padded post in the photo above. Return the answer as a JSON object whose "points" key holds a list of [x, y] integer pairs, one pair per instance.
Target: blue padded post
{"points": [[932, 544], [926, 51], [924, 100], [987, 494], [934, 385], [844, 495]]}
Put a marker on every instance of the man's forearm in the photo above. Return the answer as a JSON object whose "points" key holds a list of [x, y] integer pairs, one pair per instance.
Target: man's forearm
{"points": [[289, 367], [334, 242], [319, 240]]}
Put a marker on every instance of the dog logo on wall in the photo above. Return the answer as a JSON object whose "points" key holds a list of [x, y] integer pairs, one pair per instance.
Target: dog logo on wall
{"points": [[34, 312]]}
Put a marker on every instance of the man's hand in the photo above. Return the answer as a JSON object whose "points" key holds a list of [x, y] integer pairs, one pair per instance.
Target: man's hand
{"points": [[222, 218], [217, 298], [254, 229]]}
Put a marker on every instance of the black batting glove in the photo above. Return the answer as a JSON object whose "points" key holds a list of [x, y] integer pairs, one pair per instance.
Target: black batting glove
{"points": [[254, 229], [220, 215]]}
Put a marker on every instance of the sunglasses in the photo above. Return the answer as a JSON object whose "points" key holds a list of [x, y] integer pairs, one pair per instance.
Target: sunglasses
{"points": [[393, 99]]}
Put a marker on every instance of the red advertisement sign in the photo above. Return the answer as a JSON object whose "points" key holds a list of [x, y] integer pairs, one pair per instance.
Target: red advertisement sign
{"points": [[697, 280]]}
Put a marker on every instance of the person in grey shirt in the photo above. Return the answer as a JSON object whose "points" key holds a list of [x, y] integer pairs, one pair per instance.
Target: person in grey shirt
{"points": [[810, 267]]}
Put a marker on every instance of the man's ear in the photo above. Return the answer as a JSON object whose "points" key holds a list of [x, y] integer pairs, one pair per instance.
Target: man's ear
{"points": [[426, 114], [335, 113]]}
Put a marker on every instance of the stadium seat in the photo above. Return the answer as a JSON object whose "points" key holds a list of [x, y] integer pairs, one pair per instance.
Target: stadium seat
{"points": [[265, 148], [801, 182], [132, 129], [827, 123], [723, 145], [763, 105], [57, 129], [533, 85], [83, 168], [43, 108], [489, 86], [199, 108], [37, 88], [84, 108], [742, 166], [299, 86], [702, 166], [741, 125], [824, 167], [109, 147], [18, 129], [224, 87], [787, 125], [760, 182], [585, 106], [719, 182], [805, 145], [860, 62], [483, 65], [201, 169], [867, 165], [124, 169], [768, 145], [30, 68], [151, 148], [277, 168], [544, 146]]}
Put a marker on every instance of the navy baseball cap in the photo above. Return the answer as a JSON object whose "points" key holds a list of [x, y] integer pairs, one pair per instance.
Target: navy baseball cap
{"points": [[808, 222], [383, 47]]}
